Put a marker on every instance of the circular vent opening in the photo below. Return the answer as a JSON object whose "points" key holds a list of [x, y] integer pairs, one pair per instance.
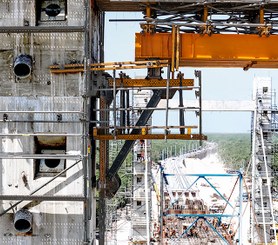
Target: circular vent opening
{"points": [[22, 225], [52, 10], [52, 163], [23, 66], [23, 221]]}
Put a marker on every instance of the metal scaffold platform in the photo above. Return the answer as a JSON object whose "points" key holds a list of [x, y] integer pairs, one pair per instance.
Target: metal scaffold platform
{"points": [[121, 118]]}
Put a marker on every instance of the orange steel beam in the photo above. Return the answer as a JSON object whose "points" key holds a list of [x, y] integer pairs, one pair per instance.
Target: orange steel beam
{"points": [[217, 50], [128, 82], [150, 137], [97, 130], [75, 68]]}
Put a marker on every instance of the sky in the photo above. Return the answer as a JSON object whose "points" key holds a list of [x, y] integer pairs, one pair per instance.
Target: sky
{"points": [[217, 83]]}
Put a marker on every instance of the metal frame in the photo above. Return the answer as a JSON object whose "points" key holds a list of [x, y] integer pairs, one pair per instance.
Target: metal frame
{"points": [[204, 23], [263, 150], [137, 130], [115, 122], [83, 157], [41, 29], [75, 68], [218, 216], [241, 17]]}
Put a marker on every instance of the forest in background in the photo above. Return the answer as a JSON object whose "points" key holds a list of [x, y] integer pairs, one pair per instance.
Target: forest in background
{"points": [[234, 149]]}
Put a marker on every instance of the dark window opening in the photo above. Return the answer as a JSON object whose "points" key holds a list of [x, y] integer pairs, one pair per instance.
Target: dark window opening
{"points": [[265, 135], [264, 181], [139, 179], [52, 163], [49, 146]]}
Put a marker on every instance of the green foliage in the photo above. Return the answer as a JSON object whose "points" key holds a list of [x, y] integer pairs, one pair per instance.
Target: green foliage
{"points": [[234, 149], [162, 149]]}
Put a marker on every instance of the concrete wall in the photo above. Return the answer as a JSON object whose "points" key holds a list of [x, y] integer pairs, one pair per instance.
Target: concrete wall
{"points": [[32, 105]]}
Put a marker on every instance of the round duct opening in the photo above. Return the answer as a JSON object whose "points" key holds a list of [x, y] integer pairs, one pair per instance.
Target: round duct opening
{"points": [[52, 10], [23, 66], [52, 163], [23, 220]]}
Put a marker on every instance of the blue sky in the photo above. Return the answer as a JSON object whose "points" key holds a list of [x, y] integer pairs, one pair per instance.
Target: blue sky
{"points": [[218, 83]]}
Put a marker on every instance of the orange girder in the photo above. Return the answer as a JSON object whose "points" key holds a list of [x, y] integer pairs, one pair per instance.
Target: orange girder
{"points": [[217, 50], [103, 137], [151, 82]]}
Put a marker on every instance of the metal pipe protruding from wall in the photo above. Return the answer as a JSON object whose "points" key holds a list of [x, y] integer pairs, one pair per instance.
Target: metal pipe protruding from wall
{"points": [[23, 66], [23, 220]]}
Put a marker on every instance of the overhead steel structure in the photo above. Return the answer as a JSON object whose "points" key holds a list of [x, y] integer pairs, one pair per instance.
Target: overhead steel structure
{"points": [[193, 34]]}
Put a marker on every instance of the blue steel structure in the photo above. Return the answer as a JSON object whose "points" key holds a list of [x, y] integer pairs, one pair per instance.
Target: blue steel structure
{"points": [[219, 216]]}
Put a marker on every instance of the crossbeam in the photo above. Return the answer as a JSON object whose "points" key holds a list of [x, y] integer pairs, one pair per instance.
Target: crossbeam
{"points": [[217, 50], [127, 65], [128, 82], [150, 136], [213, 105]]}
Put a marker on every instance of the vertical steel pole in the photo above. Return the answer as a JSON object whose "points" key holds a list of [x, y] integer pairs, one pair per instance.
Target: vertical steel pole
{"points": [[240, 208], [182, 130], [167, 100], [103, 161], [147, 193], [114, 102], [128, 111], [198, 74], [268, 183], [85, 129], [253, 223], [161, 204], [102, 143], [123, 111]]}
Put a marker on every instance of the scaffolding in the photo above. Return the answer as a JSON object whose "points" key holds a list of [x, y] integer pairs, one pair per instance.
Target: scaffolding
{"points": [[46, 173], [141, 201], [187, 218], [122, 118], [263, 170]]}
